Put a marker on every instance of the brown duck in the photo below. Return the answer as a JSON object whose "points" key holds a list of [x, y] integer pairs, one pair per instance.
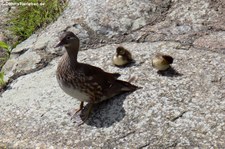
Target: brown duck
{"points": [[85, 82]]}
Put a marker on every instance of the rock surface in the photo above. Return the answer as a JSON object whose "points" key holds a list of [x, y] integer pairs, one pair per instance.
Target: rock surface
{"points": [[185, 110]]}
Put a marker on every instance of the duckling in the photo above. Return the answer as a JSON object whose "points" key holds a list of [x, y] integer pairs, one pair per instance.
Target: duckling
{"points": [[161, 61], [122, 57]]}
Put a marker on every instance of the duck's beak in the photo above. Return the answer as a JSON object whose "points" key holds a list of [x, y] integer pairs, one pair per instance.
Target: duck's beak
{"points": [[59, 44]]}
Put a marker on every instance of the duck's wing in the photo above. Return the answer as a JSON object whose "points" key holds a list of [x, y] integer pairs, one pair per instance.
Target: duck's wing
{"points": [[108, 82], [115, 75]]}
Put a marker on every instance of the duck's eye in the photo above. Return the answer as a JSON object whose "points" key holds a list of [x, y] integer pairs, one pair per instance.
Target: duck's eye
{"points": [[68, 37]]}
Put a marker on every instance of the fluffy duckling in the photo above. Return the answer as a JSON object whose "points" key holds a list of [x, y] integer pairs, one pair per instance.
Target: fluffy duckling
{"points": [[161, 61], [122, 57]]}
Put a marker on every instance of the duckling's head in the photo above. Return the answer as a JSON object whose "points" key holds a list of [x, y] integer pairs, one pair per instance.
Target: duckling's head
{"points": [[168, 58], [69, 40], [120, 50]]}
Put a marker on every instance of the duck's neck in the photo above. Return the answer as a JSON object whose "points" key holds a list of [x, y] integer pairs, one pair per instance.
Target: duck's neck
{"points": [[72, 53]]}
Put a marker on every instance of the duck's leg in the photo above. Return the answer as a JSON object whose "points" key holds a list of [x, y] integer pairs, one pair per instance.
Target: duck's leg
{"points": [[73, 112], [83, 116], [81, 106], [88, 112]]}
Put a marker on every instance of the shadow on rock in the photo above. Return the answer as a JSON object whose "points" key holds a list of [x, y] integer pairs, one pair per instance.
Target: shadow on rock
{"points": [[106, 113], [170, 72]]}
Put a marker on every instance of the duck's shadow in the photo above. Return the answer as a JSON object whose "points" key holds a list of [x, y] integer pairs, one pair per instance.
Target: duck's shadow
{"points": [[106, 113], [170, 72]]}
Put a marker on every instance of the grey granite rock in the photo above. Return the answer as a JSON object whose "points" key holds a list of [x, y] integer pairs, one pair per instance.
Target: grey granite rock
{"points": [[184, 109], [211, 41]]}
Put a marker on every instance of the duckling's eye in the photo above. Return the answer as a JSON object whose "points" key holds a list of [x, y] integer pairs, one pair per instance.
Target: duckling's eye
{"points": [[122, 51]]}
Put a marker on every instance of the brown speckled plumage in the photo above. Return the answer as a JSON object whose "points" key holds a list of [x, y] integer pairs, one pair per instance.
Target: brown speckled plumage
{"points": [[85, 82], [86, 78]]}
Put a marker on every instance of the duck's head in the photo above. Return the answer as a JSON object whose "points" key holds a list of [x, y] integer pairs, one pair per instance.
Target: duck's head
{"points": [[69, 40]]}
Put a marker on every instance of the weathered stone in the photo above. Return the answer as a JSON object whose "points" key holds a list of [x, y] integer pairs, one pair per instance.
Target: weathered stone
{"points": [[111, 14], [212, 41], [25, 45], [185, 110], [123, 17], [22, 64]]}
